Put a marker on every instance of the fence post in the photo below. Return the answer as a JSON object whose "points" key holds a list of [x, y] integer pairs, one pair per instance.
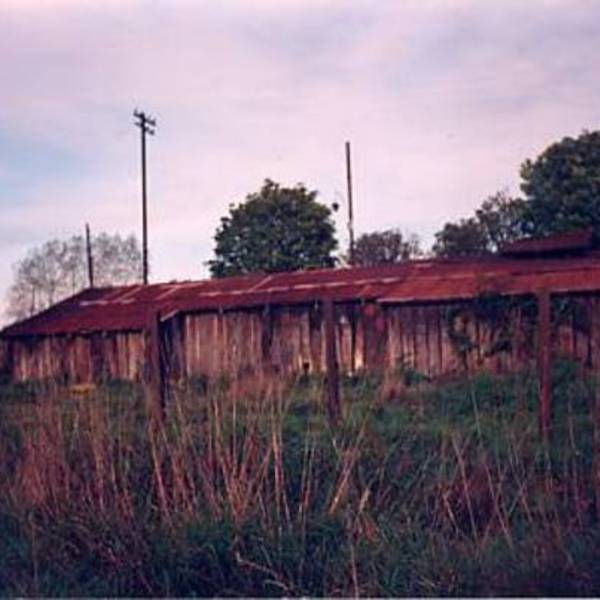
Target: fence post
{"points": [[595, 404], [155, 372], [333, 384], [544, 363]]}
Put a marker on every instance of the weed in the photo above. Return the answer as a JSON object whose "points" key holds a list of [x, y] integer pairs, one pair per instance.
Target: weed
{"points": [[244, 489]]}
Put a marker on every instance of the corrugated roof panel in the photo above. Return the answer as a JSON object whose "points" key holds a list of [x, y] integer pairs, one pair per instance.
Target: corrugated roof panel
{"points": [[432, 289], [128, 307], [571, 241]]}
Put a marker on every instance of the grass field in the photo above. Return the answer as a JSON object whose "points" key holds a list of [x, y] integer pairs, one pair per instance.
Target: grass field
{"points": [[243, 489]]}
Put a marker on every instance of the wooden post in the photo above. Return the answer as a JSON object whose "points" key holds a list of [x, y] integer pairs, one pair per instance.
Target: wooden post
{"points": [[350, 203], [353, 319], [375, 334], [155, 372], [595, 405], [90, 256], [333, 384], [544, 363], [147, 126]]}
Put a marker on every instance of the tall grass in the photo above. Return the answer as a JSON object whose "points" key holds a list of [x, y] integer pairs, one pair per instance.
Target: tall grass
{"points": [[245, 490]]}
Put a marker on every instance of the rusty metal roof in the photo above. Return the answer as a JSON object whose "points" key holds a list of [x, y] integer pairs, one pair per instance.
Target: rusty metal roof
{"points": [[574, 241], [127, 308]]}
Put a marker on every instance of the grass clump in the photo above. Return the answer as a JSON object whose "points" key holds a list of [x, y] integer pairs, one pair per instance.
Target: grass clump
{"points": [[244, 490]]}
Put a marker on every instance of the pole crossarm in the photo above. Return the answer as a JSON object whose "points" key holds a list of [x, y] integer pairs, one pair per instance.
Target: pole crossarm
{"points": [[146, 123]]}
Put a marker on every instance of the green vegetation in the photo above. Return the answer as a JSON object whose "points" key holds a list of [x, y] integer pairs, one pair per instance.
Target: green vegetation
{"points": [[276, 229], [561, 192], [385, 247], [244, 490], [562, 186]]}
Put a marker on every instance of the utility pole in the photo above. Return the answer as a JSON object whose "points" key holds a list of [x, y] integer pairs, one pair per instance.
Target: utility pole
{"points": [[90, 258], [147, 126], [350, 207]]}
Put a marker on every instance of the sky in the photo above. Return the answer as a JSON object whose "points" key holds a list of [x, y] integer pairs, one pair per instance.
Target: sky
{"points": [[442, 101]]}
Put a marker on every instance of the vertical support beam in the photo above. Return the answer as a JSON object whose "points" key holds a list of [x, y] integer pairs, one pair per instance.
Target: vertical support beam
{"points": [[595, 405], [333, 384], [266, 340], [375, 337], [544, 363], [315, 321], [155, 372], [353, 310], [179, 346], [8, 365]]}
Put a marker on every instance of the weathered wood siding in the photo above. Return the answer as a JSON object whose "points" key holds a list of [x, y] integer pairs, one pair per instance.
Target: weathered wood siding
{"points": [[433, 340], [5, 358], [78, 358], [276, 340], [441, 340]]}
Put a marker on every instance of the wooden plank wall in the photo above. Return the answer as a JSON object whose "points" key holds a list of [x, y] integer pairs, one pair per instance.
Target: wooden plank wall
{"points": [[5, 358], [79, 358], [275, 340], [369, 337], [430, 340]]}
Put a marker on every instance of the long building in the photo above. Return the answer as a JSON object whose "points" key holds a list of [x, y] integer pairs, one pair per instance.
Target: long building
{"points": [[431, 318]]}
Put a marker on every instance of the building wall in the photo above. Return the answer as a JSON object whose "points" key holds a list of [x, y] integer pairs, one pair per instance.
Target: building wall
{"points": [[434, 340], [425, 340], [78, 358]]}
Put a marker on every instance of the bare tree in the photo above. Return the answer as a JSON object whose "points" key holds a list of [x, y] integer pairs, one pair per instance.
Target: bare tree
{"points": [[58, 269]]}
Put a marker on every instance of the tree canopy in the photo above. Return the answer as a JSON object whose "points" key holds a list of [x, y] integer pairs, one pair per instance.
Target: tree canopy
{"points": [[562, 186], [385, 247], [275, 229], [561, 190], [463, 238], [499, 219], [58, 268]]}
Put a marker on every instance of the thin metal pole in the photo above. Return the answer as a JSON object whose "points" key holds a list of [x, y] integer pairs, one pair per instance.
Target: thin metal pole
{"points": [[90, 258], [350, 206]]}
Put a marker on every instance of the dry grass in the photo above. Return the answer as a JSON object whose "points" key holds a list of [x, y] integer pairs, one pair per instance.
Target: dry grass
{"points": [[244, 490]]}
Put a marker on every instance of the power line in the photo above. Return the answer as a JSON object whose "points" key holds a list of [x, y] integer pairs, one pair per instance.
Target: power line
{"points": [[147, 125]]}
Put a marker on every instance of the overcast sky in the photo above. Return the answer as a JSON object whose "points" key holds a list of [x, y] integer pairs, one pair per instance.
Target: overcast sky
{"points": [[442, 100]]}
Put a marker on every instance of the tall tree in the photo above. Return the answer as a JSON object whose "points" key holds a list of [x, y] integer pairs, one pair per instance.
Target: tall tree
{"points": [[58, 269], [502, 219], [276, 229], [499, 219], [562, 186], [385, 247], [461, 239]]}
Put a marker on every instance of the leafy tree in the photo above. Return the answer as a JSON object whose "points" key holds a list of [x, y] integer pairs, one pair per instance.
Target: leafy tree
{"points": [[461, 239], [502, 219], [58, 269], [385, 247], [562, 186], [499, 219], [275, 229]]}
